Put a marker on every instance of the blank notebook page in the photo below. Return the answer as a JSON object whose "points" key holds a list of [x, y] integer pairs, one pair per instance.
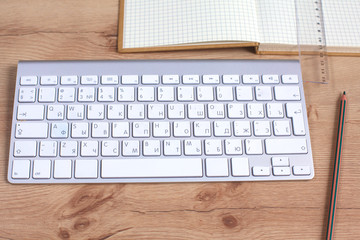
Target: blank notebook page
{"points": [[174, 22]]}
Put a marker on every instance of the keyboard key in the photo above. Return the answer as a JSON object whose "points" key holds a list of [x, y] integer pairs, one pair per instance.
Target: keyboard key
{"points": [[170, 79], [28, 80], [263, 93], [27, 95], [251, 79], [290, 79], [216, 111], [31, 130], [151, 167], [253, 146], [233, 147], [146, 94], [95, 111], [46, 95], [150, 79], [21, 169], [42, 169], [172, 147], [75, 112], [191, 79], [294, 111], [130, 79], [48, 149], [80, 130], [106, 94], [136, 111], [242, 128], [261, 171], [281, 171], [192, 147], [262, 128], [30, 112], [100, 130], [69, 80], [126, 94], [301, 170], [213, 147], [244, 93], [255, 110], [156, 111], [202, 129], [231, 79], [176, 111], [270, 79], [182, 129], [151, 148], [130, 148], [66, 94], [217, 167], [224, 93], [165, 94], [236, 110], [286, 146], [161, 129], [109, 79], [89, 80], [25, 148], [290, 93], [196, 111], [86, 94], [211, 79], [205, 93], [282, 128], [280, 161], [59, 130], [86, 169], [89, 149], [120, 129], [68, 148], [240, 167], [62, 168], [185, 94], [48, 80], [110, 148], [222, 129], [115, 111], [274, 110]]}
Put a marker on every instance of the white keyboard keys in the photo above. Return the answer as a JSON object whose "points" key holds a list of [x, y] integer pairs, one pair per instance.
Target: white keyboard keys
{"points": [[231, 79], [89, 148], [251, 79], [176, 111], [46, 95], [263, 93], [62, 169], [100, 130], [242, 128], [211, 79], [282, 128], [205, 93], [86, 94], [224, 93], [28, 80], [270, 79], [59, 130], [185, 94], [95, 111], [30, 112], [109, 79], [115, 111], [262, 128], [259, 171], [202, 129], [286, 146], [146, 94], [172, 147], [290, 93], [165, 94], [281, 171], [86, 168], [196, 111], [150, 79], [280, 161], [126, 94], [27, 95], [130, 79], [217, 167], [110, 148], [48, 149], [136, 111], [274, 110], [161, 129], [89, 80], [68, 148], [192, 147], [216, 110], [21, 169], [66, 94], [69, 80], [75, 112], [80, 130], [31, 130], [240, 167], [25, 148], [213, 147], [294, 111], [301, 170], [244, 93], [42, 169], [141, 129], [48, 80], [191, 79], [182, 129], [151, 148], [156, 111], [151, 167], [106, 94], [222, 129], [170, 79], [130, 148], [253, 146], [120, 129], [255, 110], [236, 110], [290, 79], [233, 147]]}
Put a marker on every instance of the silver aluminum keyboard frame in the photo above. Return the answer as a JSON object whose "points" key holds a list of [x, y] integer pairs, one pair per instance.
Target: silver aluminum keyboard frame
{"points": [[163, 67]]}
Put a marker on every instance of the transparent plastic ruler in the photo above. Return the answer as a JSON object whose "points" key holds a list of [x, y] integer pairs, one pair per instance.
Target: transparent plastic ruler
{"points": [[311, 38]]}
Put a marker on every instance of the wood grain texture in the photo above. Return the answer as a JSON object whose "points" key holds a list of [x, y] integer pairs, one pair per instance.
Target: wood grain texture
{"points": [[49, 29]]}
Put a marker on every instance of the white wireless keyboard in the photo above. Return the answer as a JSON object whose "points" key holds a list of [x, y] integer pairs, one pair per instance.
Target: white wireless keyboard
{"points": [[159, 121]]}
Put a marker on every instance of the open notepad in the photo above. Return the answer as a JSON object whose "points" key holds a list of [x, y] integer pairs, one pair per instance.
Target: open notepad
{"points": [[268, 25]]}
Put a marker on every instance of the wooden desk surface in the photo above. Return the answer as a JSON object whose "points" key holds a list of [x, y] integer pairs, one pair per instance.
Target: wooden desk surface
{"points": [[44, 30]]}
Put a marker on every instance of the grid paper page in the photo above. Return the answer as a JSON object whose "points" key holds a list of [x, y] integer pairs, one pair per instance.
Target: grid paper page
{"points": [[173, 22], [342, 22]]}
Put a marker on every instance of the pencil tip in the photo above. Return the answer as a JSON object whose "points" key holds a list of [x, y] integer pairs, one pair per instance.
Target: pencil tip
{"points": [[344, 93]]}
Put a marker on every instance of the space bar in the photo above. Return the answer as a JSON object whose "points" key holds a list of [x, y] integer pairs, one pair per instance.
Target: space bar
{"points": [[151, 167]]}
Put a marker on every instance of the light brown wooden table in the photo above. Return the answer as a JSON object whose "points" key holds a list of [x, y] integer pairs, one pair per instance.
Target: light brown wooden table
{"points": [[45, 30]]}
